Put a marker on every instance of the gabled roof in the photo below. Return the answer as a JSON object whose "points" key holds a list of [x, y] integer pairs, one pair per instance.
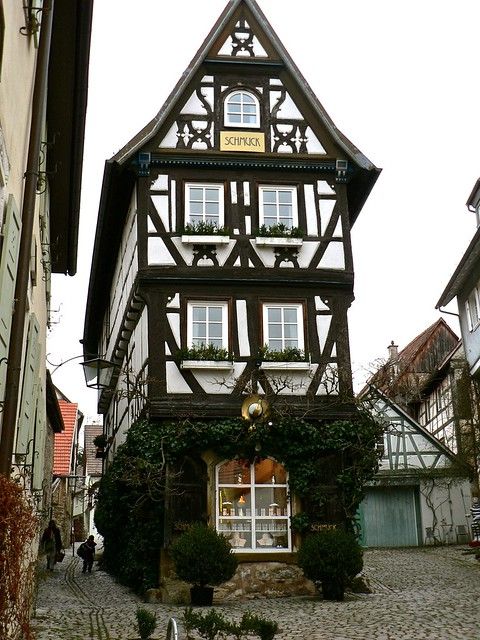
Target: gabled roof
{"points": [[64, 441], [228, 16], [424, 356], [118, 179], [66, 113], [414, 349], [468, 267]]}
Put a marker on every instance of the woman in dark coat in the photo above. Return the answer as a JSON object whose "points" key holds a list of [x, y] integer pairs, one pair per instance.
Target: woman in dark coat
{"points": [[51, 543]]}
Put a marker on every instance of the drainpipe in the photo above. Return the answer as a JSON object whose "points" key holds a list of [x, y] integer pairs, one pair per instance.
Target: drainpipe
{"points": [[17, 335]]}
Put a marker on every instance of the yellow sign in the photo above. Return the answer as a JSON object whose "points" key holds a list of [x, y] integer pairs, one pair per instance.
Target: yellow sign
{"points": [[242, 141]]}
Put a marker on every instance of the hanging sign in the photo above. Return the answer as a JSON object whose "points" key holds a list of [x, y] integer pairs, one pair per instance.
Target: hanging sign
{"points": [[242, 141]]}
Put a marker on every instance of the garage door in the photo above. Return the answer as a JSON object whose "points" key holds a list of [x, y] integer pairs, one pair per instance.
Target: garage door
{"points": [[388, 518]]}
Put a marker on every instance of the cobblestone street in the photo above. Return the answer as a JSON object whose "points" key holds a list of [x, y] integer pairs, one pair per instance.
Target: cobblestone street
{"points": [[417, 594]]}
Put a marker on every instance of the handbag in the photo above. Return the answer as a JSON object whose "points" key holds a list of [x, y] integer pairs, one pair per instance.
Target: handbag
{"points": [[60, 556]]}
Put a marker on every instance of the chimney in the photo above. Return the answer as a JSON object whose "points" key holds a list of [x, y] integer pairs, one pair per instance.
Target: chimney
{"points": [[392, 352]]}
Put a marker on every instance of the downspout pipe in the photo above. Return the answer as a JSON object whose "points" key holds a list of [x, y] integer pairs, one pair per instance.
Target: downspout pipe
{"points": [[17, 335]]}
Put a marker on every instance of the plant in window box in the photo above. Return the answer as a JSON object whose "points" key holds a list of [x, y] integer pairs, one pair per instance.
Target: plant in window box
{"points": [[205, 352], [279, 230], [202, 557], [100, 442], [289, 354], [204, 229]]}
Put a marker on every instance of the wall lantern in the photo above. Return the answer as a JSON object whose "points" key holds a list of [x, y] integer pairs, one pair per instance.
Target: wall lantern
{"points": [[255, 408], [98, 373]]}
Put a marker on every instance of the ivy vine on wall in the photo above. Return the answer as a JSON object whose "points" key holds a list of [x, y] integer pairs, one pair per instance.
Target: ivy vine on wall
{"points": [[325, 461]]}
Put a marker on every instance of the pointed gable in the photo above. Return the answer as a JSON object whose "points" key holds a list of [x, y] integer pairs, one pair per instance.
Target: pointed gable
{"points": [[293, 122], [407, 445]]}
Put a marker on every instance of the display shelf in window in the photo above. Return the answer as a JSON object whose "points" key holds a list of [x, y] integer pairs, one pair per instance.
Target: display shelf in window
{"points": [[253, 506]]}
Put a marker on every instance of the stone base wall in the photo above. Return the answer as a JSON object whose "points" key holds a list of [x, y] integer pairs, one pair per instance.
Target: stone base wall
{"points": [[251, 580]]}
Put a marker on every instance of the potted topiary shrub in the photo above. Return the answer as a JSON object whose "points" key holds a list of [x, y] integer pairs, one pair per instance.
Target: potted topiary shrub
{"points": [[203, 558], [332, 557]]}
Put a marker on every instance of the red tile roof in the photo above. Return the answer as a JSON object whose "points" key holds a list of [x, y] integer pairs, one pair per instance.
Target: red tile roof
{"points": [[64, 440]]}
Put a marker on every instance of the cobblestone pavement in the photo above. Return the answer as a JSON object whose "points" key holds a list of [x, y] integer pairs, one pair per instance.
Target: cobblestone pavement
{"points": [[418, 594]]}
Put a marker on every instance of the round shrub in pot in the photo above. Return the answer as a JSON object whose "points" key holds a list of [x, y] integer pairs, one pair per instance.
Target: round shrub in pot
{"points": [[332, 557], [203, 557]]}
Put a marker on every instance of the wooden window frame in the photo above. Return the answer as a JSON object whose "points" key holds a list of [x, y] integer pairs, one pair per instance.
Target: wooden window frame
{"points": [[299, 307], [293, 189], [224, 305], [473, 299], [241, 124], [205, 185]]}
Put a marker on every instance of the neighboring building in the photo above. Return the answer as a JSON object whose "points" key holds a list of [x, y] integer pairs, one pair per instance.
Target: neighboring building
{"points": [[44, 54], [464, 285], [93, 473], [69, 492], [223, 266], [423, 378], [421, 493]]}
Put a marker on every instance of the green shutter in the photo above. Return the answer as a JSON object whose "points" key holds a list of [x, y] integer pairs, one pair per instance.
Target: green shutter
{"points": [[8, 275], [40, 440], [28, 402]]}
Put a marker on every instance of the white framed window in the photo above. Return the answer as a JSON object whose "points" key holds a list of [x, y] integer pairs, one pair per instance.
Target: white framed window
{"points": [[278, 205], [242, 109], [472, 306], [207, 324], [204, 203], [283, 326], [253, 506]]}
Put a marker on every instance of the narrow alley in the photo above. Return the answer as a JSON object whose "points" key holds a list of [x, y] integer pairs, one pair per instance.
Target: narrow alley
{"points": [[418, 594]]}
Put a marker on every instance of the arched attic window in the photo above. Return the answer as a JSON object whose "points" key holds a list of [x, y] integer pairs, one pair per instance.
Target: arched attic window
{"points": [[242, 109]]}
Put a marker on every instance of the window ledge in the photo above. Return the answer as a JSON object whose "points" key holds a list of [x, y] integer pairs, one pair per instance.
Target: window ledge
{"points": [[268, 241], [206, 364], [292, 366], [213, 239]]}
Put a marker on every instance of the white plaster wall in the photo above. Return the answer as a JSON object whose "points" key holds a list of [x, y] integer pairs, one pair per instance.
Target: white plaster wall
{"points": [[451, 500]]}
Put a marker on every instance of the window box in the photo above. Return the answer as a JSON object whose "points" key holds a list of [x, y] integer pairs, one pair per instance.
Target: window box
{"points": [[207, 364], [278, 242], [282, 366], [211, 239]]}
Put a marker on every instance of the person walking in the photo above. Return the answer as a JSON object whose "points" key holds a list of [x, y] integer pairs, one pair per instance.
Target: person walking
{"points": [[88, 554], [51, 544]]}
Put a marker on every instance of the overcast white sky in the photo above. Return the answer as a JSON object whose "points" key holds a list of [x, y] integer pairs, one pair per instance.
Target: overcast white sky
{"points": [[400, 79]]}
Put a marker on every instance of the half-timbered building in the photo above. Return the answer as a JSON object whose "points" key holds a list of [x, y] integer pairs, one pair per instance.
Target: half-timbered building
{"points": [[222, 264], [421, 493]]}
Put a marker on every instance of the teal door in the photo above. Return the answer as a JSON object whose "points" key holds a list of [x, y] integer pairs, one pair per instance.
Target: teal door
{"points": [[388, 518]]}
